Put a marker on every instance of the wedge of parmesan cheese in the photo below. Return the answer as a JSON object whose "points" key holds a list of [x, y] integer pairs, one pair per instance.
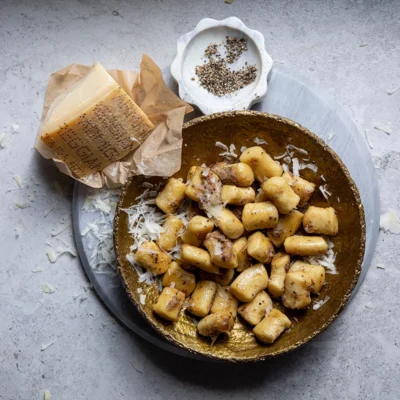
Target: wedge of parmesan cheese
{"points": [[94, 124]]}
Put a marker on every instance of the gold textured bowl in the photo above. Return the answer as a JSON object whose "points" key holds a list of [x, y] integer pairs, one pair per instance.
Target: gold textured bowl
{"points": [[241, 128]]}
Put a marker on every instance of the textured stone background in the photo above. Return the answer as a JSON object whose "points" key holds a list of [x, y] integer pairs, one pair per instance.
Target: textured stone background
{"points": [[351, 48]]}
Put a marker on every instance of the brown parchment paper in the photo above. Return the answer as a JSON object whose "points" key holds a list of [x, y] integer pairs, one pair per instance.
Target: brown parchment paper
{"points": [[160, 153]]}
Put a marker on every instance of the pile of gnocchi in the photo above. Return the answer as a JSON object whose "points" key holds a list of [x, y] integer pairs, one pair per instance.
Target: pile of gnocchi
{"points": [[241, 247]]}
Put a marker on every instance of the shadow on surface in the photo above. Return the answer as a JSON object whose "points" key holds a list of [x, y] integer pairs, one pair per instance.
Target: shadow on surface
{"points": [[218, 375]]}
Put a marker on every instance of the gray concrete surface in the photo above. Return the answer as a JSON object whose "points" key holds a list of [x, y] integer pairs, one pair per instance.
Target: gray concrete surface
{"points": [[351, 48]]}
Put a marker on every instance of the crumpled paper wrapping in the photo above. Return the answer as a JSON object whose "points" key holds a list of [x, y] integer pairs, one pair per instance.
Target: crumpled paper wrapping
{"points": [[160, 153]]}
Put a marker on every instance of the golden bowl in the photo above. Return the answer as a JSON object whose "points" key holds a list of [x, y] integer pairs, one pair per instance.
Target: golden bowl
{"points": [[241, 128]]}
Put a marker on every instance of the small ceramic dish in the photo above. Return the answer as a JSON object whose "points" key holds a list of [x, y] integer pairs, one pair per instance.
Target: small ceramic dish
{"points": [[190, 52]]}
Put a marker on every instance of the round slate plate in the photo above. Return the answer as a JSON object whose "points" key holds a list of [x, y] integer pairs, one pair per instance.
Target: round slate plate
{"points": [[289, 95]]}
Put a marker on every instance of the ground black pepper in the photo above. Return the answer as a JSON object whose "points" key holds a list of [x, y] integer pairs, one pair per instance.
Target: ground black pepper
{"points": [[216, 76]]}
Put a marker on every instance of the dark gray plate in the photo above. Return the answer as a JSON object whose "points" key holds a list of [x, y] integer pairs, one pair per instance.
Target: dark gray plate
{"points": [[289, 95]]}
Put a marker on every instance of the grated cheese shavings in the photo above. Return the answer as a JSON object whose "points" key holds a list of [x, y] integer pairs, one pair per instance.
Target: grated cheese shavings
{"points": [[366, 131], [21, 205], [326, 260], [285, 154], [390, 222], [296, 167], [392, 91], [310, 166], [18, 181], [323, 189], [98, 234], [46, 346], [319, 303], [302, 151], [145, 221], [243, 149], [142, 299], [229, 152], [47, 395], [49, 289], [6, 137], [54, 254], [258, 141]]}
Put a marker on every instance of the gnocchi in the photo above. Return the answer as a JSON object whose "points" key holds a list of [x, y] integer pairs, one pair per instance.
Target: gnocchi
{"points": [[224, 301], [261, 215], [250, 282], [172, 228], [180, 279], [315, 272], [202, 298], [281, 194], [198, 258], [240, 249], [204, 256], [214, 324], [169, 304], [196, 230], [261, 163], [260, 247], [255, 310], [269, 329], [279, 267], [321, 220], [170, 198], [301, 187], [151, 257], [223, 277], [306, 245], [221, 250], [237, 195], [297, 290], [239, 174], [229, 224], [287, 225]]}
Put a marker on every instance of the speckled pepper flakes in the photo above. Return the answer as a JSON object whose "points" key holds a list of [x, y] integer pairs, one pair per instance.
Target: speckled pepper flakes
{"points": [[216, 76]]}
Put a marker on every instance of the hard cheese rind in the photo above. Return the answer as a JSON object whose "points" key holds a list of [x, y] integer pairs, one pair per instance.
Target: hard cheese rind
{"points": [[94, 124]]}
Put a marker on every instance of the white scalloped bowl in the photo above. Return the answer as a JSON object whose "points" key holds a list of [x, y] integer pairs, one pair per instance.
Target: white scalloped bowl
{"points": [[190, 53]]}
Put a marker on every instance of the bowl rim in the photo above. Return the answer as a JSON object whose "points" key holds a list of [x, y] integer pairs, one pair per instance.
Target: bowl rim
{"points": [[259, 92], [353, 283]]}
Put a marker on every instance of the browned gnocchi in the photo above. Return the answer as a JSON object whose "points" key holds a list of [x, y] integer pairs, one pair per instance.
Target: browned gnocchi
{"points": [[253, 236]]}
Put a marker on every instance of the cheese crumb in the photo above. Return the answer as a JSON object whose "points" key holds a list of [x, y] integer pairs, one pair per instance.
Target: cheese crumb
{"points": [[18, 181], [46, 346], [49, 289], [327, 260], [258, 141], [323, 189], [319, 303], [229, 152], [21, 205], [390, 222]]}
